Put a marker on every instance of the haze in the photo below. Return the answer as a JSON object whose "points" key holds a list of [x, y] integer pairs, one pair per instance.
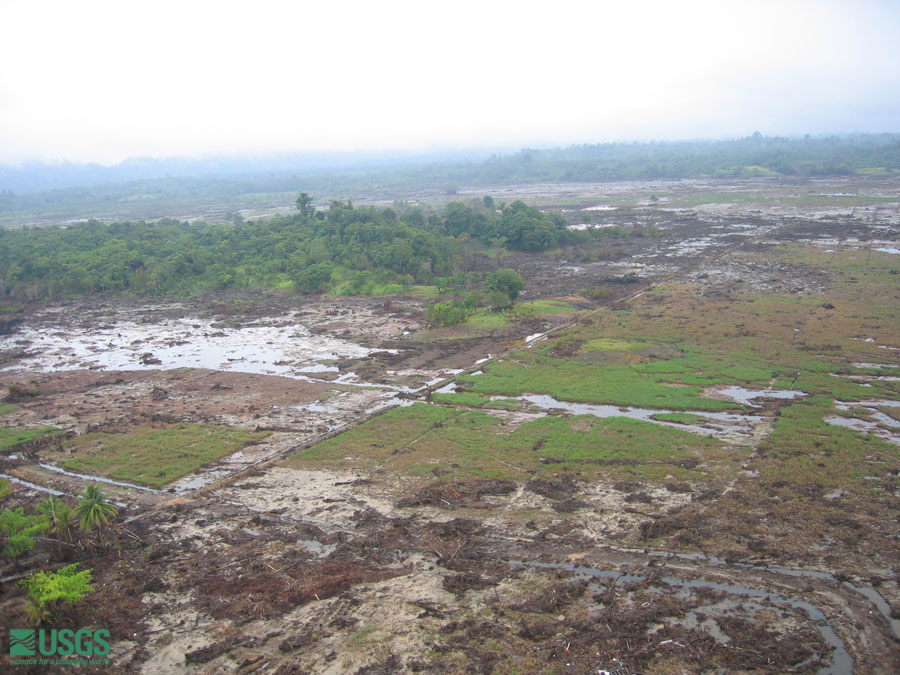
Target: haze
{"points": [[102, 81]]}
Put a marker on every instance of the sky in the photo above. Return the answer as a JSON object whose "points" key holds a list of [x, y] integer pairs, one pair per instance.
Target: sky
{"points": [[100, 81]]}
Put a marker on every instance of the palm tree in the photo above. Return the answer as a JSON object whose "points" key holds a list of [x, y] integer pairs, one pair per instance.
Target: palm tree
{"points": [[50, 509], [57, 514], [94, 510]]}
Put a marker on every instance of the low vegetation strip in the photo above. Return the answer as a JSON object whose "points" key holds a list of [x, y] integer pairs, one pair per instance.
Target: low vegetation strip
{"points": [[151, 456], [428, 440], [9, 438]]}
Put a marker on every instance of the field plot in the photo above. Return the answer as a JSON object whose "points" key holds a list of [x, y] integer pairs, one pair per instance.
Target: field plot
{"points": [[680, 455]]}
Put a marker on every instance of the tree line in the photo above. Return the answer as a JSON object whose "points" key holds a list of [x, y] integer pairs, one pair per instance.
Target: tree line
{"points": [[342, 249]]}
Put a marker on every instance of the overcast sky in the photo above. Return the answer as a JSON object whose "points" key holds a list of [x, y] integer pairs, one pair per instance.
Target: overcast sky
{"points": [[96, 80]]}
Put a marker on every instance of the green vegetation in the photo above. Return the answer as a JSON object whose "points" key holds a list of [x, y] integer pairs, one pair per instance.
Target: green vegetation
{"points": [[458, 443], [650, 355], [57, 514], [451, 312], [6, 408], [21, 392], [93, 509], [5, 488], [507, 282], [10, 438], [151, 456], [806, 450], [19, 530], [47, 591], [570, 379], [465, 399], [543, 308], [343, 250]]}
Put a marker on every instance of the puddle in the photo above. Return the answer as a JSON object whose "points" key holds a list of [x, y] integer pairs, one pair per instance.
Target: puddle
{"points": [[867, 592], [317, 547], [318, 368], [744, 396], [288, 349], [447, 389], [889, 249], [876, 423], [842, 662], [718, 424]]}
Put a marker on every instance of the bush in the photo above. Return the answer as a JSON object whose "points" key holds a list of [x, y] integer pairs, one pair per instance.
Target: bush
{"points": [[19, 529], [20, 392], [447, 313], [48, 590]]}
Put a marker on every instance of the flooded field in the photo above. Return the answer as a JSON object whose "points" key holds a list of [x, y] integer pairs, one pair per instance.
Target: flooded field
{"points": [[693, 468]]}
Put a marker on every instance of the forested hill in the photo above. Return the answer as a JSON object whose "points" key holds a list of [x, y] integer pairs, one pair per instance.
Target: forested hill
{"points": [[343, 250], [755, 155], [261, 185]]}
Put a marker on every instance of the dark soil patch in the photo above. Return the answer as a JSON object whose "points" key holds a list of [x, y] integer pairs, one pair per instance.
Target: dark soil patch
{"points": [[458, 494], [244, 597]]}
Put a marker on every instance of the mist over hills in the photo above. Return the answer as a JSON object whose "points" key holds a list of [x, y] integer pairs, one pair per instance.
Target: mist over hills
{"points": [[37, 176], [839, 154], [147, 188]]}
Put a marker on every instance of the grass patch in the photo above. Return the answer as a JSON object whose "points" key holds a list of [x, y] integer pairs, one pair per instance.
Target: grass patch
{"points": [[486, 321], [456, 444], [608, 345], [427, 292], [572, 380], [543, 307], [465, 398], [10, 438], [805, 450], [151, 456], [6, 408]]}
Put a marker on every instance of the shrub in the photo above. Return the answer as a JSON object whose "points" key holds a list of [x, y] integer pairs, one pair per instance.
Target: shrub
{"points": [[48, 590]]}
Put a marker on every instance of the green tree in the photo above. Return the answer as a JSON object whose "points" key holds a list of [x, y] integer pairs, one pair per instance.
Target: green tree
{"points": [[94, 510], [314, 278], [304, 205], [48, 590], [19, 530], [506, 281]]}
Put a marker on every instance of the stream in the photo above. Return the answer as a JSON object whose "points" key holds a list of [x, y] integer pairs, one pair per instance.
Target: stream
{"points": [[842, 662]]}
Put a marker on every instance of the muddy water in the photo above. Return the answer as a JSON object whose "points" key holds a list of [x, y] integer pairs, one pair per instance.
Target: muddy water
{"points": [[286, 348], [867, 592], [842, 662], [728, 426], [98, 479], [878, 424], [31, 486], [744, 396]]}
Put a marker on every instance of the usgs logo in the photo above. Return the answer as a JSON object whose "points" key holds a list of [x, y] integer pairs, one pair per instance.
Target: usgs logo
{"points": [[65, 642]]}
